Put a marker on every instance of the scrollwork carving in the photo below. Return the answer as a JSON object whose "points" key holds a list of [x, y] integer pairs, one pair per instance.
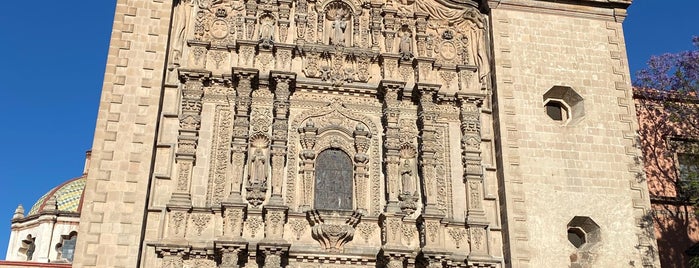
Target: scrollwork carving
{"points": [[199, 222], [333, 233]]}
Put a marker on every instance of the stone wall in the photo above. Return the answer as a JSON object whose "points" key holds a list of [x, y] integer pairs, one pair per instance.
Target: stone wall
{"points": [[586, 165], [111, 222]]}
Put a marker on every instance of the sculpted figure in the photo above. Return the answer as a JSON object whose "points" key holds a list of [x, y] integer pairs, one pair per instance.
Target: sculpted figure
{"points": [[258, 171], [407, 178], [267, 32], [339, 26], [182, 12], [405, 49]]}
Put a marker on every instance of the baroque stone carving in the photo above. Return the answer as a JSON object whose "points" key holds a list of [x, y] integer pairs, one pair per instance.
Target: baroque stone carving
{"points": [[366, 230], [199, 222], [254, 224], [457, 234], [298, 226], [333, 231]]}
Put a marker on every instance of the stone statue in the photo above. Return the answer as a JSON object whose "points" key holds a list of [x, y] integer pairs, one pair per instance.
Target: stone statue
{"points": [[407, 178], [267, 32], [258, 170], [182, 12], [339, 26], [405, 49]]}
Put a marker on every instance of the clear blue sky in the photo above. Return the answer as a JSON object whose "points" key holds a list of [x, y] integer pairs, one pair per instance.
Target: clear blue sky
{"points": [[52, 58]]}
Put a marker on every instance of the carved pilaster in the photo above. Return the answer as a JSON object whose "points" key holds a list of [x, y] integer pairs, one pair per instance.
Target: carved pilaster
{"points": [[308, 155], [361, 169], [284, 12], [391, 113], [171, 256], [220, 92], [427, 116], [282, 92], [471, 155], [188, 138], [230, 252], [233, 215], [273, 254], [392, 232], [241, 123], [420, 33], [275, 218], [376, 24], [389, 29]]}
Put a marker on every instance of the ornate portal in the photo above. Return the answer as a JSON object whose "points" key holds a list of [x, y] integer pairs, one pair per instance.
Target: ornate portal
{"points": [[382, 133], [326, 128]]}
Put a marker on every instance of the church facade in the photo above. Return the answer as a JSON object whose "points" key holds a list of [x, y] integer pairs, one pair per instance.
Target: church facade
{"points": [[328, 133]]}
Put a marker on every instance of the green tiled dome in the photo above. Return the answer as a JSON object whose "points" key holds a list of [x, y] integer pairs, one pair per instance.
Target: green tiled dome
{"points": [[68, 195]]}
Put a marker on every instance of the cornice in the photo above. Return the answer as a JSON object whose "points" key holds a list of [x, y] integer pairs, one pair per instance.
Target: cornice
{"points": [[611, 10]]}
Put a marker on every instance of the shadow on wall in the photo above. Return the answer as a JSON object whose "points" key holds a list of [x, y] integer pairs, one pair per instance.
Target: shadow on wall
{"points": [[668, 128]]}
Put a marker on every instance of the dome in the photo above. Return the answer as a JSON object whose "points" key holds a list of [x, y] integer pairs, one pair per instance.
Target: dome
{"points": [[69, 196]]}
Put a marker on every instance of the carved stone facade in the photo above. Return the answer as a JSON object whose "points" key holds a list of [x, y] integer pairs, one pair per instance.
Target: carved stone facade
{"points": [[345, 133]]}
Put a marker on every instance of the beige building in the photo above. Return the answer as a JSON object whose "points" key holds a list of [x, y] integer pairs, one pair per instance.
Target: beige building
{"points": [[415, 133]]}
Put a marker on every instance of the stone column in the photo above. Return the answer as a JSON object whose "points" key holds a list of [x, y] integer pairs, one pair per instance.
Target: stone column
{"points": [[187, 140], [473, 174], [389, 29], [308, 155], [241, 123], [471, 155], [361, 171], [376, 24], [391, 144], [420, 33], [427, 116], [280, 132], [284, 12]]}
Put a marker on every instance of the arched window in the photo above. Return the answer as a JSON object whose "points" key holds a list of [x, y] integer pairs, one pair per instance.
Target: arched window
{"points": [[333, 187]]}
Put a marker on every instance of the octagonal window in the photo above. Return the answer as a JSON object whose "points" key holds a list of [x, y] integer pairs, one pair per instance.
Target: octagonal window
{"points": [[583, 232], [563, 104]]}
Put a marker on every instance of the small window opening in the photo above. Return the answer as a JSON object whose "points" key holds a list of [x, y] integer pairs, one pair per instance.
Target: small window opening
{"points": [[576, 236], [556, 111]]}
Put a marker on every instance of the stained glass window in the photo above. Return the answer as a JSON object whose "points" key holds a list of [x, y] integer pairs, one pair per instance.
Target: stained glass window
{"points": [[333, 186]]}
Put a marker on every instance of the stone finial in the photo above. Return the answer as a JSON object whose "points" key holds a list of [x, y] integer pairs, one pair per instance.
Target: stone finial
{"points": [[51, 204], [19, 213], [88, 156]]}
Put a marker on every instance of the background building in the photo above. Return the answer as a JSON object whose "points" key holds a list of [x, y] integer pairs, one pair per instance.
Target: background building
{"points": [[46, 235], [424, 133], [670, 144]]}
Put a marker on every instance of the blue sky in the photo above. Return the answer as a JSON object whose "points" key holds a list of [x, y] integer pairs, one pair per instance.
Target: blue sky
{"points": [[52, 58]]}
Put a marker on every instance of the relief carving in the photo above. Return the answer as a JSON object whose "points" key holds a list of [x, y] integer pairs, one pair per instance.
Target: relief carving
{"points": [[333, 232], [366, 230], [298, 226], [254, 224], [199, 222]]}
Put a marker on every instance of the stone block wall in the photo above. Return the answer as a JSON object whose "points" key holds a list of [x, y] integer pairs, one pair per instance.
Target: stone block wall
{"points": [[112, 216], [586, 166]]}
